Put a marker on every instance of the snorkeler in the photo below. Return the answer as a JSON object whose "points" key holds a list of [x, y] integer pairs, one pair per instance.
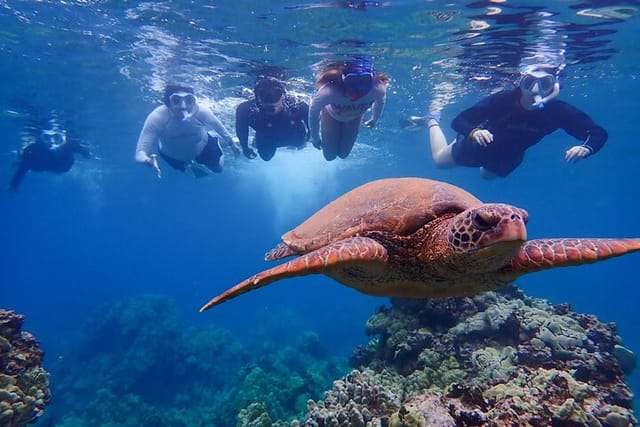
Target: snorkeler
{"points": [[181, 128], [345, 92], [495, 133], [51, 151], [278, 119]]}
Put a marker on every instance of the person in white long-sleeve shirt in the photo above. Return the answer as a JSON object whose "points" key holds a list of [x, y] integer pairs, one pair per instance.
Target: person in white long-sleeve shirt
{"points": [[180, 127], [345, 93]]}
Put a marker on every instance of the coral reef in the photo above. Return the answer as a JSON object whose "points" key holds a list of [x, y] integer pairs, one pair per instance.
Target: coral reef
{"points": [[133, 360], [497, 359], [284, 378], [134, 363], [24, 384]]}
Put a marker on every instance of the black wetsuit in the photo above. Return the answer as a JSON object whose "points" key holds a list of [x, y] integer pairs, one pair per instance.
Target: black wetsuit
{"points": [[288, 128], [515, 129], [40, 157]]}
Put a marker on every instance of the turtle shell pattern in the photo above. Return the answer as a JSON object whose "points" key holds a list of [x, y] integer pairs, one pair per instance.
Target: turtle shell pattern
{"points": [[399, 206]]}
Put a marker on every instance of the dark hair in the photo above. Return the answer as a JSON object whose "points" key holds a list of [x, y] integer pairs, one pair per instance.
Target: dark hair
{"points": [[268, 90], [171, 89]]}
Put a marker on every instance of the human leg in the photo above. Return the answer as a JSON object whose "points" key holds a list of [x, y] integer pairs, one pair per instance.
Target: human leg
{"points": [[266, 148], [266, 153], [212, 155], [487, 174], [174, 163], [331, 134], [348, 138], [440, 150]]}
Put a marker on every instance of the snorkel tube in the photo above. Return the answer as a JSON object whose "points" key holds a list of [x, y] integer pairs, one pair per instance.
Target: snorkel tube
{"points": [[539, 101], [187, 115]]}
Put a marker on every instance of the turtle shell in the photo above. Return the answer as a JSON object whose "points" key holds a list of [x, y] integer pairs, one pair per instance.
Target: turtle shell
{"points": [[396, 205]]}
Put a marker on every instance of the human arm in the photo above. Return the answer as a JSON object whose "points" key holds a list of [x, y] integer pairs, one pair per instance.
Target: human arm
{"points": [[378, 105], [83, 149], [213, 121], [149, 135], [79, 147], [320, 99], [17, 177], [303, 115], [579, 125], [242, 129], [473, 122], [20, 171], [470, 124]]}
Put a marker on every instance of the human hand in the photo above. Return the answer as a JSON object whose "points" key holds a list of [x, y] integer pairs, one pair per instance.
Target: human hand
{"points": [[317, 142], [482, 137], [235, 146], [370, 123], [153, 162], [248, 152], [576, 153]]}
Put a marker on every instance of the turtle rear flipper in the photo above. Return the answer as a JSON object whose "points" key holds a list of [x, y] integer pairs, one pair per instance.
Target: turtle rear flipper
{"points": [[351, 250]]}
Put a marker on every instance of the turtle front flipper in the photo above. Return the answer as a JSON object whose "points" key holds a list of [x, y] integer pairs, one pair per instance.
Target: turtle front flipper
{"points": [[542, 254], [354, 249]]}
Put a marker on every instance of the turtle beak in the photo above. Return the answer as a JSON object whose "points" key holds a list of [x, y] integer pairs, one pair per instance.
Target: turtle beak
{"points": [[502, 222], [514, 228]]}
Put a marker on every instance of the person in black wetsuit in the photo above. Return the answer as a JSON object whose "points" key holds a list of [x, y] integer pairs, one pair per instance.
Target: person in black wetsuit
{"points": [[278, 119], [51, 151], [495, 133]]}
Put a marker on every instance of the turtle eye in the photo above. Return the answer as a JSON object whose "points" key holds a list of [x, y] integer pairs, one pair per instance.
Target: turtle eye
{"points": [[484, 222]]}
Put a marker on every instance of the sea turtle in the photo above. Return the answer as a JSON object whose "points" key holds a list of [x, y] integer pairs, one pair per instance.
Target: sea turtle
{"points": [[414, 237]]}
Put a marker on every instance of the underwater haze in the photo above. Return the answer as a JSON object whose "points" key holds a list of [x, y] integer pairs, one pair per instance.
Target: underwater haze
{"points": [[108, 247]]}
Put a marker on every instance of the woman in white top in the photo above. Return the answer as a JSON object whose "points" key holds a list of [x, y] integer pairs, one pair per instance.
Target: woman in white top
{"points": [[344, 94], [181, 128]]}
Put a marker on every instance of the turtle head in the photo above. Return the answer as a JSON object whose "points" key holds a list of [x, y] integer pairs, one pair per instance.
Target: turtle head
{"points": [[490, 234]]}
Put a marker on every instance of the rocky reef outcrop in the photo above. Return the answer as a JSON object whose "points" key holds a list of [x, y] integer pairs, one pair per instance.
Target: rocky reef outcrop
{"points": [[497, 359], [24, 384]]}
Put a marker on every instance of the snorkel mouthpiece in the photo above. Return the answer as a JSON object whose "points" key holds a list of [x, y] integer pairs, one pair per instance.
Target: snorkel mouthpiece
{"points": [[181, 101], [539, 101]]}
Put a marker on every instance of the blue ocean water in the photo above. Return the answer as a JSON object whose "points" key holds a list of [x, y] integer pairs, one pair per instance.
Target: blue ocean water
{"points": [[109, 230]]}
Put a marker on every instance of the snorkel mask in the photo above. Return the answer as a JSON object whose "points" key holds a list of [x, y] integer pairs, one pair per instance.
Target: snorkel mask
{"points": [[53, 138], [358, 78], [539, 87], [181, 101], [269, 95], [183, 104]]}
